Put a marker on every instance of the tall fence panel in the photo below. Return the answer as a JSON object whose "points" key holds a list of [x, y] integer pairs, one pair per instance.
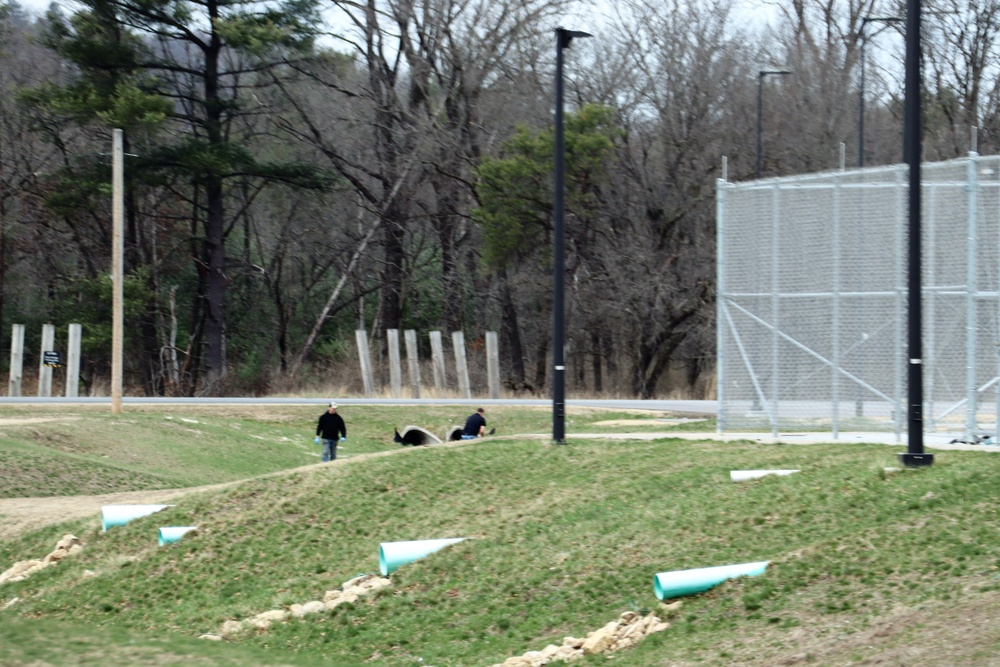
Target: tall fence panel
{"points": [[812, 297]]}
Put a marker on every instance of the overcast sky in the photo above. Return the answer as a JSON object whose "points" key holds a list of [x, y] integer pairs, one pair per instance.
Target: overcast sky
{"points": [[756, 11]]}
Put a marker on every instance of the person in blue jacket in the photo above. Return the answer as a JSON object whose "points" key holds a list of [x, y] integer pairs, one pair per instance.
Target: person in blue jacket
{"points": [[331, 426]]}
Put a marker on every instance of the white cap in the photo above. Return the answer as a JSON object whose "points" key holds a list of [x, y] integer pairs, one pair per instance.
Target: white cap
{"points": [[333, 404]]}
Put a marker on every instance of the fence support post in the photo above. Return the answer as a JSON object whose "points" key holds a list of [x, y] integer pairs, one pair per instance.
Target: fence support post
{"points": [[413, 360], [971, 292], [16, 360], [73, 361]]}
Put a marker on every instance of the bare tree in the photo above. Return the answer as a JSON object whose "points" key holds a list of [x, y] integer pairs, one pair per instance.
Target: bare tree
{"points": [[963, 74]]}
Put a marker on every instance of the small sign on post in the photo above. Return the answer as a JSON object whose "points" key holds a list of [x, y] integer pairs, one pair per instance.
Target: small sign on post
{"points": [[44, 369], [51, 359]]}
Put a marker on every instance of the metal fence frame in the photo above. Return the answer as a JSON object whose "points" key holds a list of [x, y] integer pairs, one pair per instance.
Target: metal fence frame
{"points": [[788, 355]]}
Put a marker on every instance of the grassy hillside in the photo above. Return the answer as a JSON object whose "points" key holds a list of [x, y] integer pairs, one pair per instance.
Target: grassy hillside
{"points": [[34, 643], [86, 450], [566, 538]]}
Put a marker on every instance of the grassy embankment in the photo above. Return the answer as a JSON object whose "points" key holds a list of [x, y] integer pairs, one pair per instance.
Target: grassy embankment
{"points": [[85, 450], [864, 562]]}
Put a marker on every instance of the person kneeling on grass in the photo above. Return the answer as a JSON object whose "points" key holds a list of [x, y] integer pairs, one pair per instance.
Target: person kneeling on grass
{"points": [[329, 427], [475, 425]]}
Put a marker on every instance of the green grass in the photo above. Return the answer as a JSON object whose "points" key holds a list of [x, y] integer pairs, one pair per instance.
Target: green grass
{"points": [[565, 539], [32, 643], [95, 452], [90, 451]]}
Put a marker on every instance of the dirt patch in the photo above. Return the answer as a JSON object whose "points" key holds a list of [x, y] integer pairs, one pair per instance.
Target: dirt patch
{"points": [[17, 421], [939, 634]]}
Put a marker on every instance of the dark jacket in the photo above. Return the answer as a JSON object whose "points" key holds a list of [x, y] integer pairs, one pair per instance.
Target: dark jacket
{"points": [[331, 426], [473, 424]]}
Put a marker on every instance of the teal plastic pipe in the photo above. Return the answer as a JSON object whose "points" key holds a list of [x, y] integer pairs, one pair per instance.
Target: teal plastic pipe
{"points": [[394, 555], [170, 534], [119, 515], [689, 582]]}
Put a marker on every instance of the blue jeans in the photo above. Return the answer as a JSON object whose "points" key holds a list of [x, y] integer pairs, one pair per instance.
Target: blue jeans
{"points": [[329, 450]]}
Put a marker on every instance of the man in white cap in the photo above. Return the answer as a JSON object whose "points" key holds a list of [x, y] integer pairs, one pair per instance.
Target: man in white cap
{"points": [[330, 427]]}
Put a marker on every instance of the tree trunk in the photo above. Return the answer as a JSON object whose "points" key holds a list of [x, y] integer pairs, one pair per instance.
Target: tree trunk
{"points": [[215, 241], [510, 330], [541, 362], [215, 287], [595, 356], [392, 271]]}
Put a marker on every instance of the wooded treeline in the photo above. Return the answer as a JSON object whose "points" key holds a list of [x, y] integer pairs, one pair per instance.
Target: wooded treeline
{"points": [[298, 169]]}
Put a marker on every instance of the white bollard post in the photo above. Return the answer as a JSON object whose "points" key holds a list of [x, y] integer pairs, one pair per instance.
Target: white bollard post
{"points": [[16, 360], [461, 366], [413, 360], [437, 360], [45, 372], [395, 369], [493, 364], [366, 362], [73, 361]]}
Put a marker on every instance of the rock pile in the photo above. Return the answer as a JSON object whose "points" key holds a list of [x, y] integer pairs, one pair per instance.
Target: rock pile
{"points": [[627, 631], [67, 546], [350, 591]]}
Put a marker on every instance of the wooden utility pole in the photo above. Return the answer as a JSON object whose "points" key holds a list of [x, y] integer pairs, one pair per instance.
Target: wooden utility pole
{"points": [[117, 268]]}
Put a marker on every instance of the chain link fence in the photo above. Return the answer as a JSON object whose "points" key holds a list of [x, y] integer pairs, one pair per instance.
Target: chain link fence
{"points": [[812, 315]]}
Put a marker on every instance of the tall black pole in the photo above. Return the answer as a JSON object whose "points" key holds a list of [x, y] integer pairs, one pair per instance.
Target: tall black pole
{"points": [[760, 96], [915, 455], [563, 38], [559, 259]]}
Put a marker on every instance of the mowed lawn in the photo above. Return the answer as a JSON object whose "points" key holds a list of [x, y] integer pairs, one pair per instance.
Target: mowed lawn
{"points": [[866, 566]]}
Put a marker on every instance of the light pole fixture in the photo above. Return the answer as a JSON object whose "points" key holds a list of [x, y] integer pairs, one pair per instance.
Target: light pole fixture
{"points": [[861, 93], [914, 455], [563, 39], [760, 93]]}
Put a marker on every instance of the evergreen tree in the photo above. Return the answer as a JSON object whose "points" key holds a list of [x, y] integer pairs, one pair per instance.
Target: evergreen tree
{"points": [[197, 69]]}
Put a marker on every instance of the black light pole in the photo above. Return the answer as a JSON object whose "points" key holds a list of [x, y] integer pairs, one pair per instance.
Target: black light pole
{"points": [[914, 455], [563, 38], [760, 94], [861, 94]]}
